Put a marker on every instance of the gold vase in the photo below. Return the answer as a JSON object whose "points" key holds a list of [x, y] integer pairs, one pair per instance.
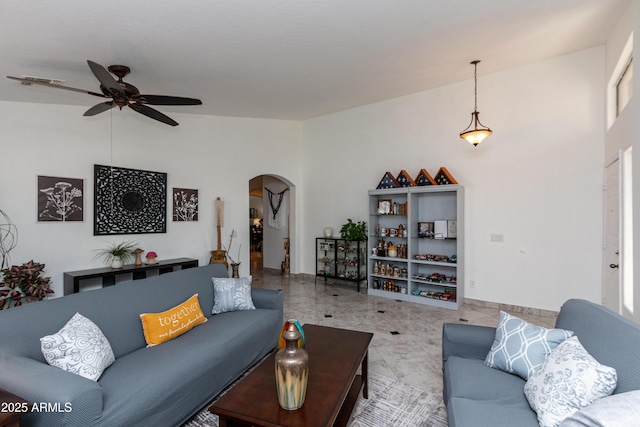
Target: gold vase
{"points": [[292, 373]]}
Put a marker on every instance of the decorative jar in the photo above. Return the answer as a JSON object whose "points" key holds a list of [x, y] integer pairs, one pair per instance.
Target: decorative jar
{"points": [[292, 372], [291, 325]]}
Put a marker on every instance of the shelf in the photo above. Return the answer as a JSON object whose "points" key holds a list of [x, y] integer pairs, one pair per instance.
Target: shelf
{"points": [[445, 285], [379, 276], [334, 262], [436, 263], [390, 259], [433, 203]]}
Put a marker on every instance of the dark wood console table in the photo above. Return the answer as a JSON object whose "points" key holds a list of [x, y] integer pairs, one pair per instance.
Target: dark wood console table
{"points": [[72, 278]]}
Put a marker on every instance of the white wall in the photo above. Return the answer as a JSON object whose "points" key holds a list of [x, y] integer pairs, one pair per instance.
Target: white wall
{"points": [[216, 155], [537, 179]]}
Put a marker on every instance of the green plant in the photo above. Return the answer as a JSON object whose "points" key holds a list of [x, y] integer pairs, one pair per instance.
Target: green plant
{"points": [[23, 284], [122, 251], [354, 231]]}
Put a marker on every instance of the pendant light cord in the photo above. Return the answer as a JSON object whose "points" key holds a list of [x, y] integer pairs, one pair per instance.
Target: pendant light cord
{"points": [[475, 75]]}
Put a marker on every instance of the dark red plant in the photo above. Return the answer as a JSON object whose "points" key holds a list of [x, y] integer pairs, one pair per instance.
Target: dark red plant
{"points": [[23, 284]]}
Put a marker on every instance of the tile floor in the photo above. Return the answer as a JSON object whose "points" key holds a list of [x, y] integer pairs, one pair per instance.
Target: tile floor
{"points": [[413, 356]]}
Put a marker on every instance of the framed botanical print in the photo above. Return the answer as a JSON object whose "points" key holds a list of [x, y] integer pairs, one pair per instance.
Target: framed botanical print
{"points": [[185, 204], [60, 199]]}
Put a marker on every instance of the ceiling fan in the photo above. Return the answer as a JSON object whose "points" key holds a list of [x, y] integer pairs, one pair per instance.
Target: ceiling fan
{"points": [[121, 93]]}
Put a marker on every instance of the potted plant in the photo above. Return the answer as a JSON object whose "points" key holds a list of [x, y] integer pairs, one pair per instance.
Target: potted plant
{"points": [[353, 231], [23, 284], [118, 254]]}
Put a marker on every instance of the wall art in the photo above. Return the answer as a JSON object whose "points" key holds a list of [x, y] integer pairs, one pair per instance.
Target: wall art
{"points": [[129, 201], [185, 204], [60, 199]]}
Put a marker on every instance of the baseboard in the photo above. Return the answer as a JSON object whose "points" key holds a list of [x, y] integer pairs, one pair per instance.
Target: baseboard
{"points": [[512, 308]]}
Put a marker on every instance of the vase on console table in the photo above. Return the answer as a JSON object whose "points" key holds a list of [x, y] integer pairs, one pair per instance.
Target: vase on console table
{"points": [[292, 373], [235, 269]]}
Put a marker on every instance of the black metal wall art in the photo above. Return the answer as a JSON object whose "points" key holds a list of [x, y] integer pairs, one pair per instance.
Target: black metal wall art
{"points": [[129, 201]]}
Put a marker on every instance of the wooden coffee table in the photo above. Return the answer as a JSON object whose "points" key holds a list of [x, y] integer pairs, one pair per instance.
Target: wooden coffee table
{"points": [[332, 391]]}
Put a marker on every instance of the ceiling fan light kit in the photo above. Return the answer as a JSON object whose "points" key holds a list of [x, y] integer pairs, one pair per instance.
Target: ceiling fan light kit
{"points": [[476, 132], [122, 94]]}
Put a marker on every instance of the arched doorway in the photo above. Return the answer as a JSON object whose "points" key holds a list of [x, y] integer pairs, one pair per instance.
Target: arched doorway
{"points": [[272, 222]]}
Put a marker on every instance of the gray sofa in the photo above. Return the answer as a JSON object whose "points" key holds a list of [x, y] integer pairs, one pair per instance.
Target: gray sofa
{"points": [[477, 395], [158, 386]]}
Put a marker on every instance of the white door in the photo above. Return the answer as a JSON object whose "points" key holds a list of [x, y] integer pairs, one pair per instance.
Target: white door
{"points": [[612, 284]]}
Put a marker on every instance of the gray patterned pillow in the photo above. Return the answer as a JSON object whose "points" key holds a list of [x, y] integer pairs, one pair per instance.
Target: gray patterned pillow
{"points": [[520, 347], [79, 347], [231, 294], [568, 380]]}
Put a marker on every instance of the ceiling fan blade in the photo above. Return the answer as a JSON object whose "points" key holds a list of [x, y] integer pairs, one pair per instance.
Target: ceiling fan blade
{"points": [[106, 79], [99, 108], [167, 100], [31, 81], [154, 114]]}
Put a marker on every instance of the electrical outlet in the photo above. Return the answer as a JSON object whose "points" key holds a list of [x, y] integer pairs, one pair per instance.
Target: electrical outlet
{"points": [[472, 284], [497, 238]]}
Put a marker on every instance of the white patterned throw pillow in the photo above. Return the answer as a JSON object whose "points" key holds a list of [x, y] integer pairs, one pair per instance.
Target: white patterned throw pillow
{"points": [[79, 347], [568, 380], [520, 347], [231, 294]]}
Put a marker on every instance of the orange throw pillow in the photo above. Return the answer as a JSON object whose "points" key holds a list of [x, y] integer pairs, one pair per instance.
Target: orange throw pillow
{"points": [[161, 327]]}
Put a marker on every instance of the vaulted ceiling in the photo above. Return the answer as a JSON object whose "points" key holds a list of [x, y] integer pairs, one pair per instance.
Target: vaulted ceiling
{"points": [[285, 59]]}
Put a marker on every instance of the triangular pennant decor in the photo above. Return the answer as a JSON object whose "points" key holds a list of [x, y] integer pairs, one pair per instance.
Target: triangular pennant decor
{"points": [[388, 181], [405, 180], [443, 177], [424, 178]]}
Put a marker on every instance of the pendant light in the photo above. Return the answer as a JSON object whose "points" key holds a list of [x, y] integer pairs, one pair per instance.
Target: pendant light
{"points": [[476, 132]]}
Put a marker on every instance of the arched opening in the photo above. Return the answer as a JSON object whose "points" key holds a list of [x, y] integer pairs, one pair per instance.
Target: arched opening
{"points": [[271, 222]]}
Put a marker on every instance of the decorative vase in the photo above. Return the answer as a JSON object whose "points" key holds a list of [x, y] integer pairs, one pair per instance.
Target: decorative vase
{"points": [[116, 263], [292, 373], [290, 326], [234, 269], [328, 232]]}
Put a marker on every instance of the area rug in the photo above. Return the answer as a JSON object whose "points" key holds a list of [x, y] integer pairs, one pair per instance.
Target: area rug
{"points": [[390, 403]]}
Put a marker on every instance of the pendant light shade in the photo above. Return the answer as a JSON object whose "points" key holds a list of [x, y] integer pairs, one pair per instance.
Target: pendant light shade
{"points": [[476, 132]]}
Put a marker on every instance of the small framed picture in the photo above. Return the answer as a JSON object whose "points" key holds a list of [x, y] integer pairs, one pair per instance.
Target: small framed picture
{"points": [[426, 229], [384, 206]]}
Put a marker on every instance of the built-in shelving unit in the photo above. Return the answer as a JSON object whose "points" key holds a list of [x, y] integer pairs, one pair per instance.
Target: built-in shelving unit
{"points": [[416, 244]]}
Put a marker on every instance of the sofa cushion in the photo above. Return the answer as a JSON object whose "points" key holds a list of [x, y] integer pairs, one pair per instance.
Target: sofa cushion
{"points": [[607, 336], [182, 375], [463, 412], [165, 326], [568, 380], [79, 347], [520, 347], [469, 378], [231, 294], [619, 410]]}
